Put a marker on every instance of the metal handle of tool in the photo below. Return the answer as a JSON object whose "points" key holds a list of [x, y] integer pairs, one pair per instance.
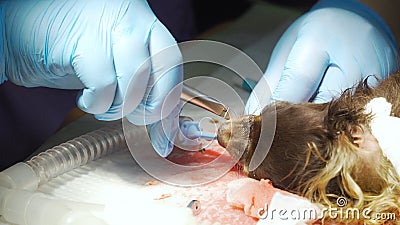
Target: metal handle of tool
{"points": [[199, 99]]}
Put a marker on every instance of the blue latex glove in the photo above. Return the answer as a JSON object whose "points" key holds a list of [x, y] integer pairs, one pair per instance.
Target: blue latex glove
{"points": [[101, 47], [327, 50]]}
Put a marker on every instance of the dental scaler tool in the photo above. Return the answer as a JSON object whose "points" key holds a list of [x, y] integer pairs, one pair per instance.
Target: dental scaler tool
{"points": [[208, 103], [191, 129]]}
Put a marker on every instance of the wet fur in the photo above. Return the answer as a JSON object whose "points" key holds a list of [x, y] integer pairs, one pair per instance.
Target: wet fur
{"points": [[304, 118], [306, 135]]}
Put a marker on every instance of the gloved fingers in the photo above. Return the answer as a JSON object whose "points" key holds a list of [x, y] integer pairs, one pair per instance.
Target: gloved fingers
{"points": [[333, 84], [261, 94], [259, 97], [164, 87], [303, 70], [130, 49], [94, 67], [337, 79], [163, 132], [323, 60], [132, 65]]}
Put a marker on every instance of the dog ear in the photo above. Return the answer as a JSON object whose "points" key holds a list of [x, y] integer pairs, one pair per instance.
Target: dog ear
{"points": [[357, 133]]}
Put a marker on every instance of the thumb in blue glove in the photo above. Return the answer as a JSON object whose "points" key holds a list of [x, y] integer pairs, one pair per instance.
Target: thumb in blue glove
{"points": [[160, 105], [163, 132], [327, 50]]}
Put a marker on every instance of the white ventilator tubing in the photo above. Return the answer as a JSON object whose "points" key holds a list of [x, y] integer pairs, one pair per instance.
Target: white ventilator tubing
{"points": [[20, 204]]}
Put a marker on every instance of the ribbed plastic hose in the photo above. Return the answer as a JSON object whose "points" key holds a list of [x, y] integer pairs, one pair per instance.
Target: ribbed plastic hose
{"points": [[77, 152]]}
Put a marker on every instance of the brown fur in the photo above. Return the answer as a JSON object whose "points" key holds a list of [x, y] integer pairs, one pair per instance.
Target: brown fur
{"points": [[308, 141]]}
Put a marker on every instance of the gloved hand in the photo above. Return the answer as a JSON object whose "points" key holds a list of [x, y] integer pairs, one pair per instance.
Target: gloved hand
{"points": [[100, 46], [327, 50]]}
